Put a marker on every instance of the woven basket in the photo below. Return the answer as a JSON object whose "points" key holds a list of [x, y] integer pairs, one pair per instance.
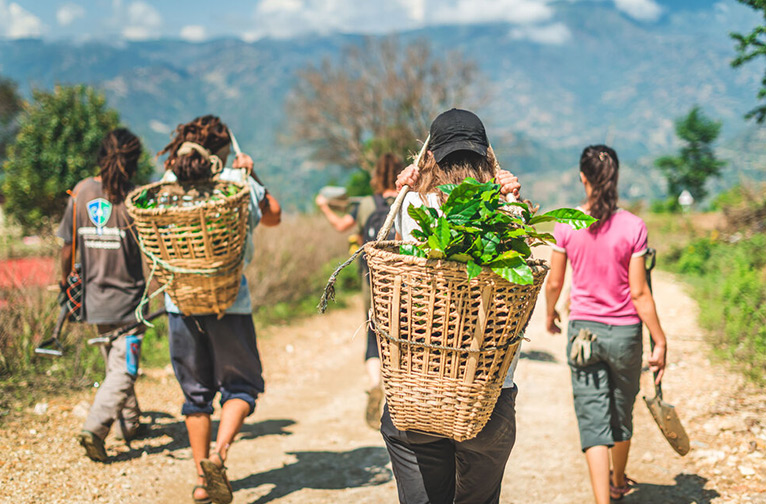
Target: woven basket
{"points": [[196, 251], [446, 343]]}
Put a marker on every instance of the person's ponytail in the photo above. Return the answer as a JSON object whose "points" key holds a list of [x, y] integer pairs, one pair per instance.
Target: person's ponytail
{"points": [[600, 166], [118, 162]]}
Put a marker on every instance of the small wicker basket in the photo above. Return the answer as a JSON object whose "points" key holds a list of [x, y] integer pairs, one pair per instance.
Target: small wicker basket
{"points": [[196, 251], [446, 343]]}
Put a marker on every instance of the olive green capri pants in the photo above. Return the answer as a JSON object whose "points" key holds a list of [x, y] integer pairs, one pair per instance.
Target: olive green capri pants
{"points": [[606, 388]]}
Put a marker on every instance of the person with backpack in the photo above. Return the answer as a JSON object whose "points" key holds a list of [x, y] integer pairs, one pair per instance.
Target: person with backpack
{"points": [[368, 217], [95, 228], [610, 299], [212, 354]]}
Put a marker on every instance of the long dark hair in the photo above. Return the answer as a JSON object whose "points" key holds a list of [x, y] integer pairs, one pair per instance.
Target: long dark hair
{"points": [[386, 169], [207, 131], [601, 167], [118, 161]]}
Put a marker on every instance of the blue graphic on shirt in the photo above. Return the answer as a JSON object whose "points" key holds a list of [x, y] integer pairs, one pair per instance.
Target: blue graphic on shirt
{"points": [[99, 211]]}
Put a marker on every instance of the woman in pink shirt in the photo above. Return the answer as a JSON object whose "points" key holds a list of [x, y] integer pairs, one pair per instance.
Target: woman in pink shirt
{"points": [[610, 299]]}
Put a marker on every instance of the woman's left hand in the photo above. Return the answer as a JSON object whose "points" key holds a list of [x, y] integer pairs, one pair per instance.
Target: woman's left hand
{"points": [[243, 161], [509, 184]]}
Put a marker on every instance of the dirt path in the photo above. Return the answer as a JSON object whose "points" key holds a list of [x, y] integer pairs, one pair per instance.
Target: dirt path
{"points": [[307, 442]]}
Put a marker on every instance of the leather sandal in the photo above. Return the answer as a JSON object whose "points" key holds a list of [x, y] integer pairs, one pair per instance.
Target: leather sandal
{"points": [[618, 492], [218, 486], [204, 500]]}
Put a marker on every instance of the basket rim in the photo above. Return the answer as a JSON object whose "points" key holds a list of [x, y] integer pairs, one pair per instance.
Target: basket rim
{"points": [[145, 212], [539, 266]]}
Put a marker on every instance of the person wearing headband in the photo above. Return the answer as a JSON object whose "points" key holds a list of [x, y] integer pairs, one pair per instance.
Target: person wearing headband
{"points": [[211, 355], [431, 469]]}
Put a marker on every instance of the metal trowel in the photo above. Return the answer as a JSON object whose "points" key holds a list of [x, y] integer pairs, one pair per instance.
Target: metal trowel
{"points": [[52, 346], [664, 414]]}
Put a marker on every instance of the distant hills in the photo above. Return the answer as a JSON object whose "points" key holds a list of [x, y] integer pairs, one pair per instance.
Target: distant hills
{"points": [[612, 79]]}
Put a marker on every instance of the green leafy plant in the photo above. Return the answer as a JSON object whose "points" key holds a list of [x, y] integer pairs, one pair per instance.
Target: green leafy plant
{"points": [[475, 227]]}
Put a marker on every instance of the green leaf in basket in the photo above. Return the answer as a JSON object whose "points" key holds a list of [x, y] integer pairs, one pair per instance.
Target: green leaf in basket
{"points": [[575, 218], [514, 270], [473, 269], [411, 250]]}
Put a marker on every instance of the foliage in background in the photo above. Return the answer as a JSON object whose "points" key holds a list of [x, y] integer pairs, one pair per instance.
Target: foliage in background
{"points": [[696, 162], [749, 47], [291, 265], [60, 133], [378, 97], [471, 227], [10, 106], [729, 282]]}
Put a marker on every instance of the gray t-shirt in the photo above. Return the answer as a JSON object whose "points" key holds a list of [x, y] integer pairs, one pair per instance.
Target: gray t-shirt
{"points": [[406, 224], [112, 270]]}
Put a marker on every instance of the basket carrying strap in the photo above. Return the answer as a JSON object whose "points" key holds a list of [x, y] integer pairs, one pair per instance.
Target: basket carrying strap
{"points": [[478, 334]]}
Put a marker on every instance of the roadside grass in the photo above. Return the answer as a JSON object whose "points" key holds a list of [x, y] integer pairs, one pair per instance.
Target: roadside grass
{"points": [[726, 271], [291, 265]]}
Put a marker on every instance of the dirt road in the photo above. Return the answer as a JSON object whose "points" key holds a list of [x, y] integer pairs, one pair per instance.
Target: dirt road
{"points": [[307, 442]]}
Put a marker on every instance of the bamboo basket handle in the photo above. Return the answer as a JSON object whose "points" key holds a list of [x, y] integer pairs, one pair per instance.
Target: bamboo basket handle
{"points": [[397, 205]]}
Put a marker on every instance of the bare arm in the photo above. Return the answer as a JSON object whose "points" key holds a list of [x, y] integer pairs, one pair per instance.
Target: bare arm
{"points": [[553, 286], [340, 223], [66, 261], [647, 312]]}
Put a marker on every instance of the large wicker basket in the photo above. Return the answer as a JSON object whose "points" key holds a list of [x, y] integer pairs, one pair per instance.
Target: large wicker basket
{"points": [[196, 251], [446, 343]]}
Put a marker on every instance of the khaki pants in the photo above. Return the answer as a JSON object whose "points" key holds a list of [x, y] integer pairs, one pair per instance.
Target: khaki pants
{"points": [[116, 397]]}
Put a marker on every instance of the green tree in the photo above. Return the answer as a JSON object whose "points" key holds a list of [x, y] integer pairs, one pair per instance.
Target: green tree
{"points": [[696, 161], [60, 133], [750, 47], [11, 105]]}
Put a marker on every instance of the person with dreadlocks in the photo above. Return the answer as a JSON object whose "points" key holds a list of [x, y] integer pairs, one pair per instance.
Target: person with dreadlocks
{"points": [[610, 298], [113, 280], [211, 354], [368, 216]]}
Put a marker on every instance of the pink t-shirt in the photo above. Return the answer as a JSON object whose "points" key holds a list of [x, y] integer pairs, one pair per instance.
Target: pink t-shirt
{"points": [[600, 288]]}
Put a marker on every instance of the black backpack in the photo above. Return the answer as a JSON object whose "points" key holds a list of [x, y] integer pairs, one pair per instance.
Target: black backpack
{"points": [[376, 220]]}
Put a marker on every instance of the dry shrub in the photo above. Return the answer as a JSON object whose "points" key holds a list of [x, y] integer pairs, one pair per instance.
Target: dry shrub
{"points": [[293, 260], [27, 317], [745, 210]]}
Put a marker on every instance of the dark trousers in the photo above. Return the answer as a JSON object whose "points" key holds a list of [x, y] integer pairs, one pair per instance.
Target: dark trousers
{"points": [[436, 470], [211, 355]]}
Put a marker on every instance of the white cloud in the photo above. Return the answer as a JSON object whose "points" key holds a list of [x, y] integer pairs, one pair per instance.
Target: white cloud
{"points": [[553, 34], [194, 33], [287, 18], [68, 13], [143, 22], [643, 10], [274, 6], [482, 11], [15, 22]]}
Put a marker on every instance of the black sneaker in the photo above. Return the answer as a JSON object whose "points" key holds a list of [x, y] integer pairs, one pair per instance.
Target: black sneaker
{"points": [[94, 446]]}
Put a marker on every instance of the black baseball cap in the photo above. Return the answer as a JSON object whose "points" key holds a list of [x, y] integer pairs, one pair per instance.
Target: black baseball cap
{"points": [[456, 130]]}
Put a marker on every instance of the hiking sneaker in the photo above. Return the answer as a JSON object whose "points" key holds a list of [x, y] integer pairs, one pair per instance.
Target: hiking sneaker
{"points": [[94, 446], [374, 400], [128, 435]]}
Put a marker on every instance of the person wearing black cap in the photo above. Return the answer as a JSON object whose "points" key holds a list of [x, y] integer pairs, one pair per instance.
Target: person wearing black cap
{"points": [[430, 469]]}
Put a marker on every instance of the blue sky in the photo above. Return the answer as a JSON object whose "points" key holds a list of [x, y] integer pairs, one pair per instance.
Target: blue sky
{"points": [[198, 20]]}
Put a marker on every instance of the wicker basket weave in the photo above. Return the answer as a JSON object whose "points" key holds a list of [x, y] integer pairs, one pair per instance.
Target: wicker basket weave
{"points": [[446, 343], [196, 251]]}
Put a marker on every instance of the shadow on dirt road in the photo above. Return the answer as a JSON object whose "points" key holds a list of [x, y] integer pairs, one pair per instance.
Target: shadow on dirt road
{"points": [[323, 470]]}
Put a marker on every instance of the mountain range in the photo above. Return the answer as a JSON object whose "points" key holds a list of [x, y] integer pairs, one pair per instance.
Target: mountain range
{"points": [[604, 78]]}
